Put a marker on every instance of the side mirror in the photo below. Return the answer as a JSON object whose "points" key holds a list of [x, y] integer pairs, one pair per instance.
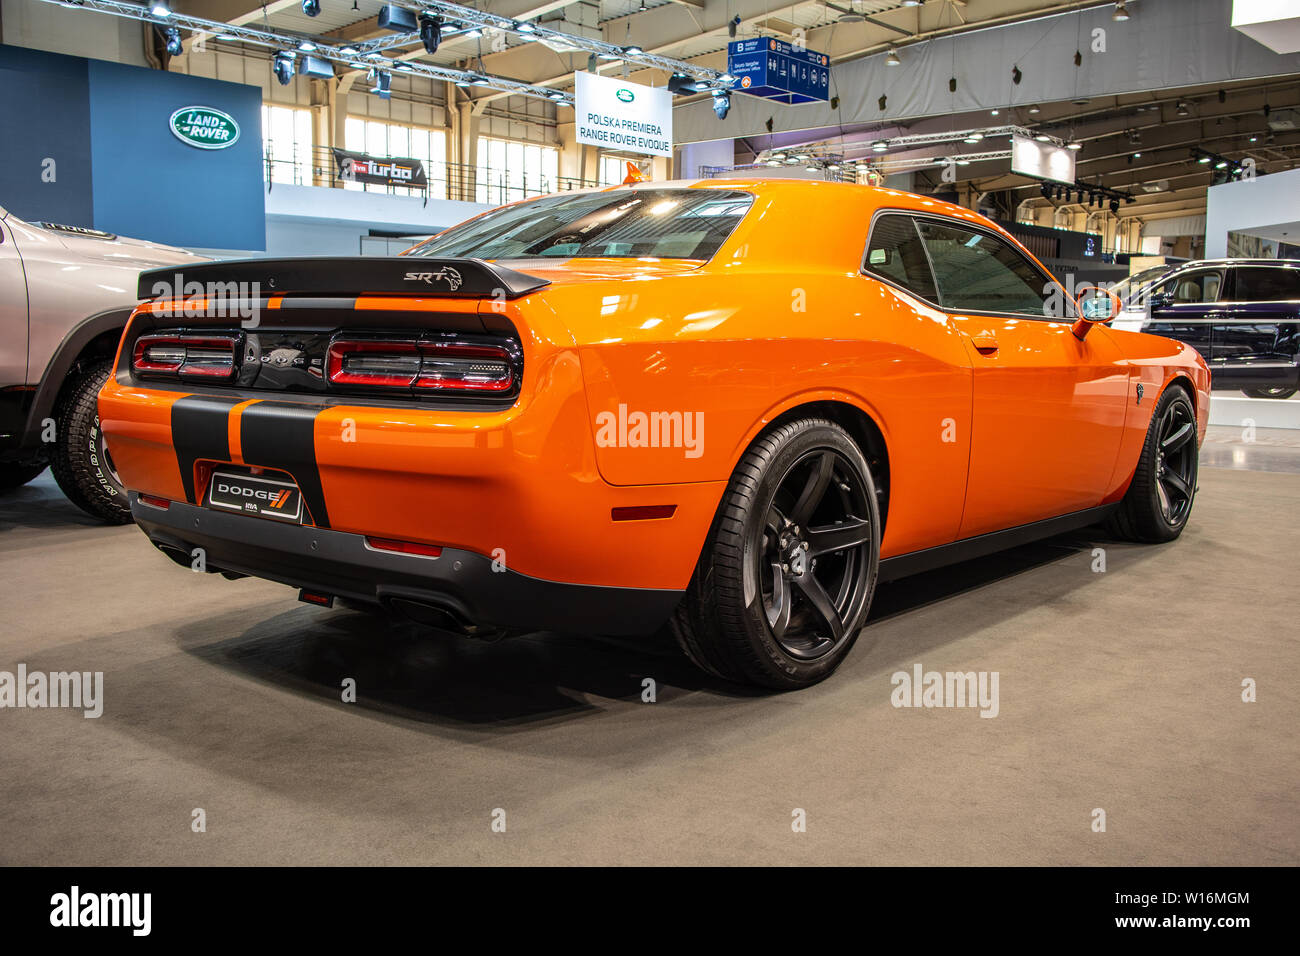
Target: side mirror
{"points": [[1095, 305]]}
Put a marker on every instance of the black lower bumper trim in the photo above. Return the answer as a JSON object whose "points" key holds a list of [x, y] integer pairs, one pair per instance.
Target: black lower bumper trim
{"points": [[461, 585]]}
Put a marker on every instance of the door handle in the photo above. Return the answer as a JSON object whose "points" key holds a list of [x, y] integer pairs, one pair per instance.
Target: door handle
{"points": [[984, 343]]}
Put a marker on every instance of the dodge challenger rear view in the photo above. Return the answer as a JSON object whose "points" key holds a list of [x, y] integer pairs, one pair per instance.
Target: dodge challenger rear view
{"points": [[729, 407]]}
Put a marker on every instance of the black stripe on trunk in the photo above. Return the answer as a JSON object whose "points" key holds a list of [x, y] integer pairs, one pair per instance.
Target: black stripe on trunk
{"points": [[281, 435]]}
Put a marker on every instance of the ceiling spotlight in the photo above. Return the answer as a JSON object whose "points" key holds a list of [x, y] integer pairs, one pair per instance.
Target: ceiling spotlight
{"points": [[633, 50], [430, 32], [348, 50], [283, 67], [963, 162], [160, 10], [1121, 12], [306, 46], [1182, 109], [383, 84], [892, 59], [1254, 139], [523, 26], [174, 45], [311, 7], [473, 33], [1221, 164], [1042, 138], [1204, 160], [1075, 146], [1034, 110], [557, 95], [973, 138], [721, 105], [1114, 207], [994, 112], [1137, 155], [732, 24], [1016, 75], [879, 146], [911, 3], [792, 160]]}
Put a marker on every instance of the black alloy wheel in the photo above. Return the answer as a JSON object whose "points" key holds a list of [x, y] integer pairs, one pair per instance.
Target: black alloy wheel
{"points": [[1176, 462], [785, 580], [816, 545]]}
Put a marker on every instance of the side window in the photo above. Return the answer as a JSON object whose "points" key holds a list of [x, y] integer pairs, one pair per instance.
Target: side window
{"points": [[894, 252], [977, 272], [1265, 284], [1193, 288]]}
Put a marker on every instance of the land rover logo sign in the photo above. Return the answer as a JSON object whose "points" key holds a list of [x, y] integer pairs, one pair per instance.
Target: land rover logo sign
{"points": [[626, 95], [204, 127]]}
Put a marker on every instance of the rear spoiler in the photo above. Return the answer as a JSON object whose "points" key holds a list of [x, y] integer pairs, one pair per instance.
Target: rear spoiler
{"points": [[345, 276]]}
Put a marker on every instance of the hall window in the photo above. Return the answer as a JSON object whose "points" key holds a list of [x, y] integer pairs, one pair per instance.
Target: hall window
{"points": [[392, 140], [508, 171], [286, 145]]}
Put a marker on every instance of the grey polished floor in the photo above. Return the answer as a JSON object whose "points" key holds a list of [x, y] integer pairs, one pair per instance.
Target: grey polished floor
{"points": [[1119, 690]]}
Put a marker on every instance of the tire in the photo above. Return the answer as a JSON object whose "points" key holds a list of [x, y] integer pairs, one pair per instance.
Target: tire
{"points": [[750, 613], [14, 475], [78, 459], [1159, 499], [1275, 391]]}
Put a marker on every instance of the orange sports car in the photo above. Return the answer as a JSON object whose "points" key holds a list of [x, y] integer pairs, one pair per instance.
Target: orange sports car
{"points": [[728, 406]]}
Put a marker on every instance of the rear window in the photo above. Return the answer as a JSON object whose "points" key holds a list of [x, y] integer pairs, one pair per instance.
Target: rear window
{"points": [[622, 223], [1267, 284]]}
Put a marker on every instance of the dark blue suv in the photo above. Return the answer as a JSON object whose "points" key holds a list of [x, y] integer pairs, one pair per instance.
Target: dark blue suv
{"points": [[1242, 315]]}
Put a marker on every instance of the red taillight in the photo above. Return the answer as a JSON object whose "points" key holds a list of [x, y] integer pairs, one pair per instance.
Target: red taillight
{"points": [[434, 366], [186, 356], [403, 547], [155, 501]]}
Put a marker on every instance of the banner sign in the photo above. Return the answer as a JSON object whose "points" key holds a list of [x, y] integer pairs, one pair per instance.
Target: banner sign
{"points": [[1041, 160], [386, 171], [629, 117], [777, 70]]}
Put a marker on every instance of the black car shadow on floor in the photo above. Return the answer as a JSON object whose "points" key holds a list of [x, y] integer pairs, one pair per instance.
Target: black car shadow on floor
{"points": [[411, 673]]}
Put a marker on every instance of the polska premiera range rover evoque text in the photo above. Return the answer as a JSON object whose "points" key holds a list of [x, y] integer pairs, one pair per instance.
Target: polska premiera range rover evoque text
{"points": [[728, 406]]}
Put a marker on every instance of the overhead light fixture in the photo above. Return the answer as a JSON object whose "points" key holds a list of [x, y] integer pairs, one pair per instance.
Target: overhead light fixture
{"points": [[1221, 164], [792, 161], [879, 146], [430, 32], [1114, 207], [1121, 12], [473, 33], [383, 87], [1074, 145], [963, 162], [1254, 139], [1042, 138], [1137, 155], [557, 95], [1016, 75], [306, 46], [174, 45], [911, 3], [348, 50], [1182, 109], [311, 7], [892, 59], [1204, 160], [1034, 110], [973, 138], [721, 105], [160, 10], [283, 67], [994, 112], [633, 50]]}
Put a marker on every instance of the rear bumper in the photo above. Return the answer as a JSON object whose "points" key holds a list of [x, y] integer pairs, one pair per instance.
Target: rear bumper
{"points": [[458, 587]]}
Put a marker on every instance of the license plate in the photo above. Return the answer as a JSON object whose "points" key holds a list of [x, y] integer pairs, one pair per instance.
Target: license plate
{"points": [[263, 497]]}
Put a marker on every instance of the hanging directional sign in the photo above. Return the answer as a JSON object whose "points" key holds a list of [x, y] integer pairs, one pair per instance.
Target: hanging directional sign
{"points": [[777, 70]]}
